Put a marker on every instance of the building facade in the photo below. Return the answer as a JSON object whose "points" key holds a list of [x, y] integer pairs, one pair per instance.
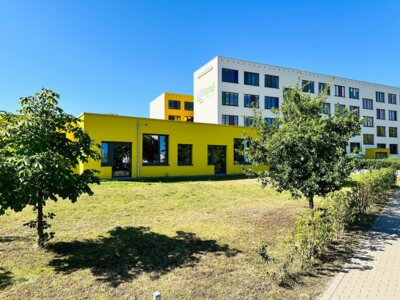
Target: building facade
{"points": [[225, 90], [173, 107], [142, 147]]}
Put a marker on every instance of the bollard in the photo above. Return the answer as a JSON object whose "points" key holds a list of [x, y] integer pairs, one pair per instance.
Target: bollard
{"points": [[156, 296]]}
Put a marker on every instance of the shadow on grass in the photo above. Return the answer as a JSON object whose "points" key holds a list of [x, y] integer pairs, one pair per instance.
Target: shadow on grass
{"points": [[5, 278], [131, 251], [11, 238], [167, 178]]}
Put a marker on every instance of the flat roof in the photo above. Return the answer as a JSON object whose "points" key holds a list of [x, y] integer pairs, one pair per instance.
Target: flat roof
{"points": [[301, 71]]}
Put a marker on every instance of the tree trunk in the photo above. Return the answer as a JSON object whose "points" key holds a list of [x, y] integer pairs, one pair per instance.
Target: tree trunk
{"points": [[311, 202], [40, 232]]}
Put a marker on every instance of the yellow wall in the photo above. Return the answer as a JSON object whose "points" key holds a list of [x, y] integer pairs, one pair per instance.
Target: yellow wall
{"points": [[111, 128], [371, 152], [182, 113]]}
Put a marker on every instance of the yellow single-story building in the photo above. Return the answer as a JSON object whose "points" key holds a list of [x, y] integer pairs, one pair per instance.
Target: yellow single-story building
{"points": [[141, 147]]}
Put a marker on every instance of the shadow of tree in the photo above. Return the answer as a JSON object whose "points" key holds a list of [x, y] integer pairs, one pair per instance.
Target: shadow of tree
{"points": [[130, 251], [5, 278]]}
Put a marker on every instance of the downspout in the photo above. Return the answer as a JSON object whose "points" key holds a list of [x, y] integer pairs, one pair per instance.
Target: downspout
{"points": [[138, 148]]}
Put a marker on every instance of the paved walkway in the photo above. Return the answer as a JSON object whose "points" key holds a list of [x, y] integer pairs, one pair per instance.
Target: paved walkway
{"points": [[374, 271]]}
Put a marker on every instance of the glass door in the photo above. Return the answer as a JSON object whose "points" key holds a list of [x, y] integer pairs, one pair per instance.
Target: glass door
{"points": [[122, 160]]}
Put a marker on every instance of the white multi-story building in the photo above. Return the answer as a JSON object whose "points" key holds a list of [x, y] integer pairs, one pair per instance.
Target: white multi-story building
{"points": [[225, 90]]}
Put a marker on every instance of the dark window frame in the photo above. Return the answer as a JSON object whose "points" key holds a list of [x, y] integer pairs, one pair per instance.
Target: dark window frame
{"points": [[322, 86], [230, 78], [232, 95], [249, 104], [190, 163], [393, 132], [340, 91], [174, 101], [271, 81], [353, 90], [380, 114], [166, 163], [367, 103], [394, 149], [378, 99], [368, 135], [308, 86], [239, 158], [246, 78], [392, 98], [188, 105], [381, 131], [235, 119]]}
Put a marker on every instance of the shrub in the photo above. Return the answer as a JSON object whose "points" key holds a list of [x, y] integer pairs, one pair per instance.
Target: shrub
{"points": [[369, 163], [313, 233]]}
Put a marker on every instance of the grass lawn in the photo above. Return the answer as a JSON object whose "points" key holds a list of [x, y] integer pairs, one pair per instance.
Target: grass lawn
{"points": [[185, 239]]}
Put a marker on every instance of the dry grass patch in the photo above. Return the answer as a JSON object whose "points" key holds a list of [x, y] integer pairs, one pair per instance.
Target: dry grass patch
{"points": [[185, 239]]}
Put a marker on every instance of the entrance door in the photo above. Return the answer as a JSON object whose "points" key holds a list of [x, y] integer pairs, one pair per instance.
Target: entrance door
{"points": [[217, 157], [121, 160]]}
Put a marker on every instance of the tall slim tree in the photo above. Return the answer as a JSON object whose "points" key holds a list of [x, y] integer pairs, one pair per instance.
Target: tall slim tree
{"points": [[304, 148], [40, 146]]}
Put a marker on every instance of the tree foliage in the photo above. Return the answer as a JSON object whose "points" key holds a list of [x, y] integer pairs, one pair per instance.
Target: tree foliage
{"points": [[40, 146], [304, 149]]}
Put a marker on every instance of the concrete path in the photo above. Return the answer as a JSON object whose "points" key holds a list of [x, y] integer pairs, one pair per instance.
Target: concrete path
{"points": [[374, 271]]}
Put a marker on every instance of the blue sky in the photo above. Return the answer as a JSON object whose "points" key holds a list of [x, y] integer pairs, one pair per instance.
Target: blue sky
{"points": [[116, 56]]}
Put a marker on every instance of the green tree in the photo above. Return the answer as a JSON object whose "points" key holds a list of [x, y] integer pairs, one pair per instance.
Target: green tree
{"points": [[304, 148], [39, 148]]}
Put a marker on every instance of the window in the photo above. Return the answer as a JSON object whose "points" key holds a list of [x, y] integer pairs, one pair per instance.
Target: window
{"points": [[248, 121], [392, 98], [251, 100], [380, 114], [392, 131], [231, 99], [368, 122], [229, 75], [251, 78], [367, 103], [380, 97], [189, 119], [393, 149], [322, 86], [174, 118], [308, 86], [269, 121], [105, 154], [239, 155], [392, 115], [188, 105], [355, 147], [326, 108], [229, 120], [368, 139], [354, 93], [272, 81], [339, 91], [184, 154], [380, 131], [381, 146], [340, 106], [174, 104], [155, 149], [271, 102], [356, 109]]}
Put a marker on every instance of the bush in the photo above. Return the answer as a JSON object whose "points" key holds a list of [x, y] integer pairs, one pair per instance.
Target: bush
{"points": [[369, 163], [314, 232]]}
